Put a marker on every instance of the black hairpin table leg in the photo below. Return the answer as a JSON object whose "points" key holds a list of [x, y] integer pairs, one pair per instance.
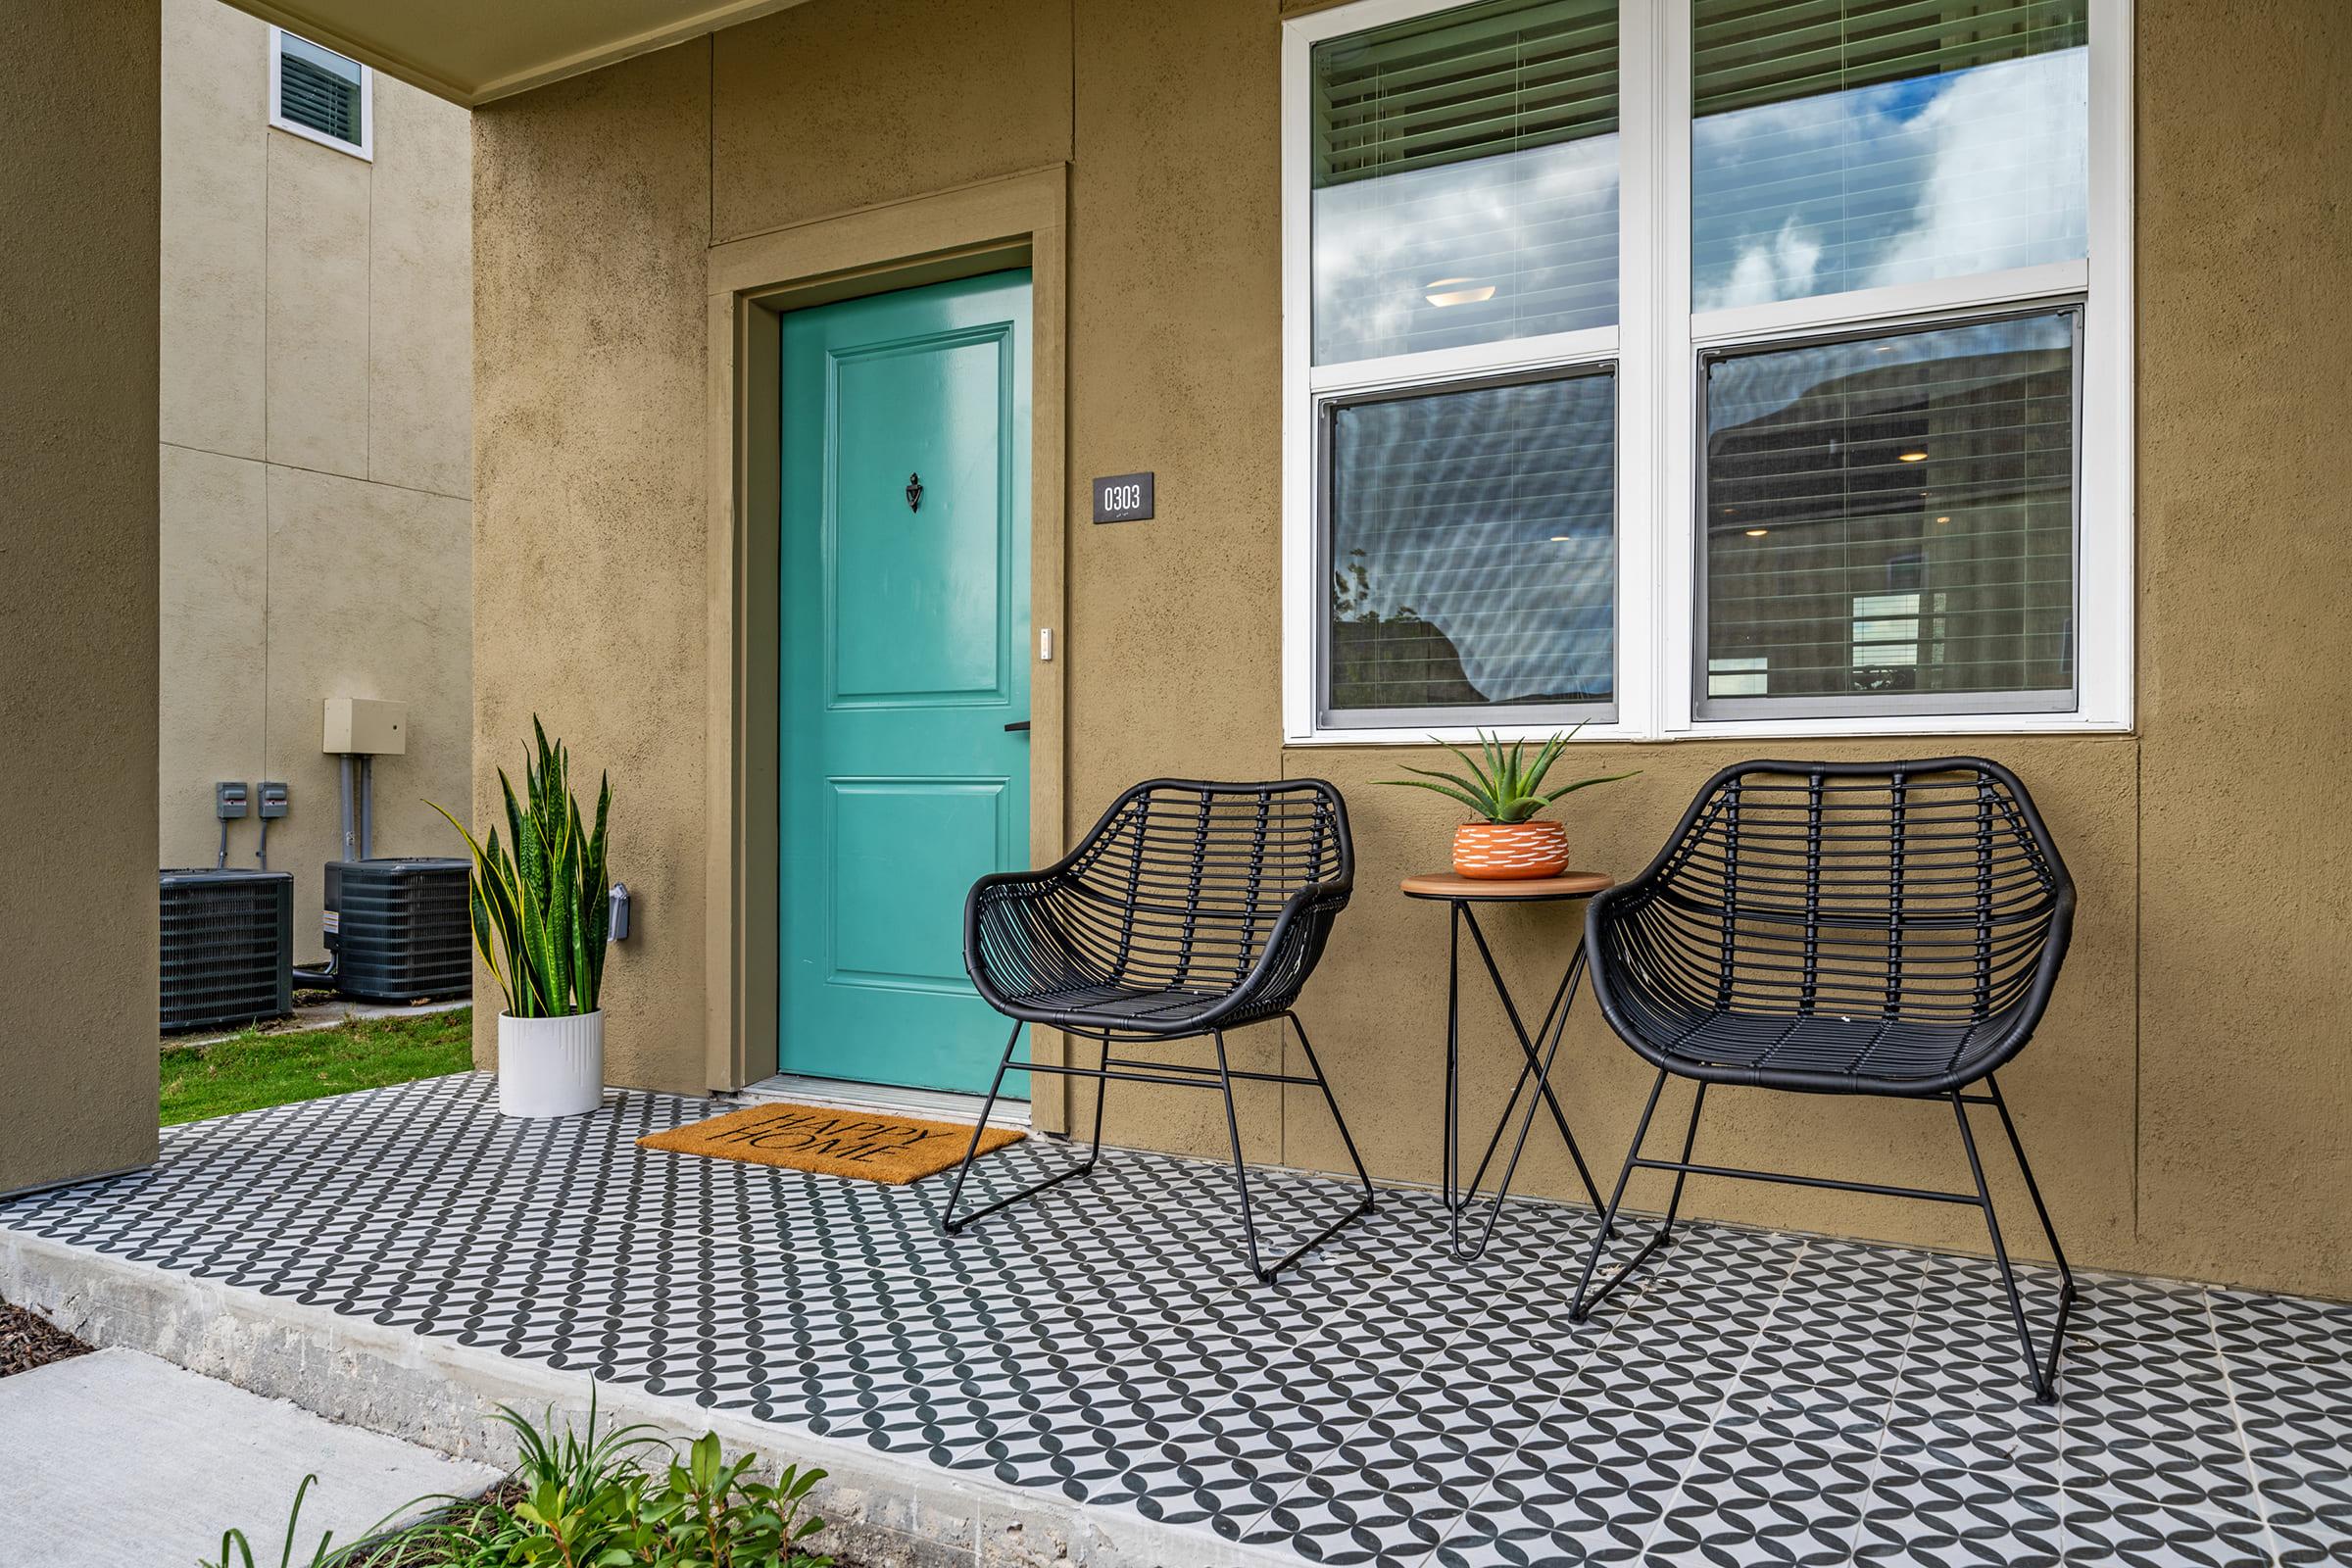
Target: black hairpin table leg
{"points": [[1538, 1050]]}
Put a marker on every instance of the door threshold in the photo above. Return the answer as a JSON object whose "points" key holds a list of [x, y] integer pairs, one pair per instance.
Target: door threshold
{"points": [[895, 1098]]}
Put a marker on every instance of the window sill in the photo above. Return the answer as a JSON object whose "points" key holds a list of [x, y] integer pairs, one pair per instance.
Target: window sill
{"points": [[1873, 728], [365, 154]]}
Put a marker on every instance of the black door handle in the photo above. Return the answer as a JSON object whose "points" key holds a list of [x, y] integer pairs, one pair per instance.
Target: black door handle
{"points": [[1018, 724]]}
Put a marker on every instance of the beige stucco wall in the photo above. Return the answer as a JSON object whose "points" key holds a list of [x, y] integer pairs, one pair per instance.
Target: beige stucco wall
{"points": [[315, 456], [2188, 1099], [2245, 545], [592, 214], [77, 594]]}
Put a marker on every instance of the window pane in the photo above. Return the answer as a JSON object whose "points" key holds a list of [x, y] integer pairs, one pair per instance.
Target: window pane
{"points": [[318, 89], [1465, 179], [1846, 144], [1893, 518], [1474, 547]]}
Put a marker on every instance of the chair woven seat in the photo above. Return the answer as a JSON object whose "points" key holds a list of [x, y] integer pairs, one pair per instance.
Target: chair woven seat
{"points": [[1140, 1008], [1888, 1054]]}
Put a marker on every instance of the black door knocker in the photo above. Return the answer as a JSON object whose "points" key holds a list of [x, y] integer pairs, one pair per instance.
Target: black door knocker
{"points": [[914, 492]]}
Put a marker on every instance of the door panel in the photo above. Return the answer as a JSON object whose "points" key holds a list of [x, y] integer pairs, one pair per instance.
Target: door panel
{"points": [[933, 837], [905, 632], [915, 612]]}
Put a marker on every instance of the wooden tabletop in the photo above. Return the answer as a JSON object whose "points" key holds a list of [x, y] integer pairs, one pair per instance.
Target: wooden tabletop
{"points": [[1498, 890]]}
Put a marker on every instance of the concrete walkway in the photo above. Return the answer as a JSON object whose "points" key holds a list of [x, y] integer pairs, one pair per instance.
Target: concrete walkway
{"points": [[317, 1015], [118, 1458]]}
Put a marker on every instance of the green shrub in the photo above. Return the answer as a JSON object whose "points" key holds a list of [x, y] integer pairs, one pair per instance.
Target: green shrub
{"points": [[623, 1499]]}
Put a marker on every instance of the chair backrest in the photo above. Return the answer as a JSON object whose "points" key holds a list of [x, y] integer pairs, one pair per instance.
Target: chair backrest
{"points": [[1187, 878], [1924, 891]]}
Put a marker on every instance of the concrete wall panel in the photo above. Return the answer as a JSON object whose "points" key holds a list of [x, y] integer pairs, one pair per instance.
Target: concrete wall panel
{"points": [[591, 217], [339, 567], [1175, 626], [317, 359], [215, 142], [421, 295], [215, 647], [370, 597], [78, 587]]}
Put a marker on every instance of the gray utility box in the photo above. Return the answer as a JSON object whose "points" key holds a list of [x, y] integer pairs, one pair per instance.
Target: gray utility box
{"points": [[227, 946], [400, 928]]}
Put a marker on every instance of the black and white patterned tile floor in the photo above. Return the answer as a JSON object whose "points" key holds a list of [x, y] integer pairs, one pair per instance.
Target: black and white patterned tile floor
{"points": [[1756, 1397]]}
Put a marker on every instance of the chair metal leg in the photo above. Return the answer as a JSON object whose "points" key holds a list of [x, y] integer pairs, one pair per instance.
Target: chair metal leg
{"points": [[1332, 1104], [1579, 1308], [2044, 1372], [1265, 1272], [2041, 1369], [950, 1223]]}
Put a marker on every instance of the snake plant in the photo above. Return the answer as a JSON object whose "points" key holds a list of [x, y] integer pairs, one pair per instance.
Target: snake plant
{"points": [[1509, 785], [542, 899]]}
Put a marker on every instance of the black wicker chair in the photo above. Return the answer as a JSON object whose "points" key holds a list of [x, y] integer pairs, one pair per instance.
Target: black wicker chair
{"points": [[1189, 909], [1840, 928]]}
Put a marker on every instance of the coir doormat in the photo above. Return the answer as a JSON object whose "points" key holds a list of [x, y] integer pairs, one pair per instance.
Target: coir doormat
{"points": [[867, 1144]]}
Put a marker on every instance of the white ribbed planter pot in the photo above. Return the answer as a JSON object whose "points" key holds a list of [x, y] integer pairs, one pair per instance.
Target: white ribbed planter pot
{"points": [[551, 1066]]}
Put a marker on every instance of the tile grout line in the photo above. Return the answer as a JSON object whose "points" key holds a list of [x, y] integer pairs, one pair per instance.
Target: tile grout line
{"points": [[1894, 1393], [2238, 1424], [1747, 1360]]}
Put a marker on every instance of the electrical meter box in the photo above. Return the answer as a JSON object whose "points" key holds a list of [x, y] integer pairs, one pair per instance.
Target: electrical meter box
{"points": [[367, 726]]}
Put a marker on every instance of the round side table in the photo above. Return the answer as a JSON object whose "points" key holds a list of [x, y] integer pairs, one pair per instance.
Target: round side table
{"points": [[1462, 894]]}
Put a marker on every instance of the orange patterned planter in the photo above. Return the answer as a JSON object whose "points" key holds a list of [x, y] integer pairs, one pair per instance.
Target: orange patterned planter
{"points": [[1504, 852]]}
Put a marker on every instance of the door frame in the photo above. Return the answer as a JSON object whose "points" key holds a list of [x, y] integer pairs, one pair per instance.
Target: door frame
{"points": [[992, 226]]}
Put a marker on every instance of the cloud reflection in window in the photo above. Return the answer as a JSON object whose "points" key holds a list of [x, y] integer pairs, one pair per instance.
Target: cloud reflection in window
{"points": [[1540, 225], [1965, 171]]}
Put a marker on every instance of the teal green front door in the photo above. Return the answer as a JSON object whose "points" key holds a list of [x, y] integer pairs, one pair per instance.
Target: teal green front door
{"points": [[905, 632]]}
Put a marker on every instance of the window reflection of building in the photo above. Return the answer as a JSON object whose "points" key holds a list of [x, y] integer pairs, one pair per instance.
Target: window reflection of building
{"points": [[1893, 515]]}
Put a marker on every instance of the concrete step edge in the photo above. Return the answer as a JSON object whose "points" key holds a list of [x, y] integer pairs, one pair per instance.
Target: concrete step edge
{"points": [[883, 1510]]}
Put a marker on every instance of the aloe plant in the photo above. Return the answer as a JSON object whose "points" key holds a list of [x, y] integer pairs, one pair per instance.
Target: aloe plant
{"points": [[1509, 785], [542, 899]]}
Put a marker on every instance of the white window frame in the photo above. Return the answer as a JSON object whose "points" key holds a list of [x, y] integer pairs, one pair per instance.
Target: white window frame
{"points": [[1655, 349], [365, 150]]}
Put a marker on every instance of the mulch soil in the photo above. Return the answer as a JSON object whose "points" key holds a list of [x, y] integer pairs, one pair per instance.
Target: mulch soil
{"points": [[28, 1340]]}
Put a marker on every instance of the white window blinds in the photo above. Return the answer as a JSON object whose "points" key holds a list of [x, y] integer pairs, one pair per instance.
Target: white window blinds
{"points": [[319, 88], [1473, 548], [1464, 166], [1889, 521]]}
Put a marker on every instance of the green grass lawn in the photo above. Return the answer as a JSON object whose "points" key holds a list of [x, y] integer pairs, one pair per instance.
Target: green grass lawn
{"points": [[249, 1071]]}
